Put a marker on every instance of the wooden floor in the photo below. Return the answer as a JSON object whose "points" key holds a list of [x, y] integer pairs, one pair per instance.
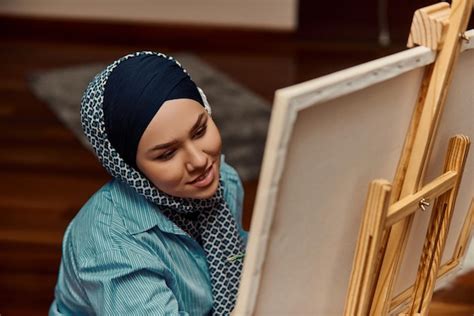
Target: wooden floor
{"points": [[46, 175]]}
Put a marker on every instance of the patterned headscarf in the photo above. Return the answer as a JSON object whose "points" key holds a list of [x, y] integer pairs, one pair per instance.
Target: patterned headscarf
{"points": [[208, 221]]}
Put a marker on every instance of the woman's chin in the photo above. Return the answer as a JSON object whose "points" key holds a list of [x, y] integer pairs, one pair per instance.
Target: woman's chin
{"points": [[205, 194], [192, 193], [207, 191], [200, 190]]}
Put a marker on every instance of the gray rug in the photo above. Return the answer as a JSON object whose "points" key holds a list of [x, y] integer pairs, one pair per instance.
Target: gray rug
{"points": [[241, 116]]}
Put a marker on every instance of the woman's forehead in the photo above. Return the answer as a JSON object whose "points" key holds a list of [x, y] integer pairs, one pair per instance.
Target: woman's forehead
{"points": [[175, 118]]}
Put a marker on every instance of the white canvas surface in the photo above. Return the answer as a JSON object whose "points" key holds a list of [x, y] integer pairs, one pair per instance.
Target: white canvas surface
{"points": [[336, 149]]}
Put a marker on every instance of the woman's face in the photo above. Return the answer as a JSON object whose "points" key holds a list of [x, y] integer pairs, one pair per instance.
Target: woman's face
{"points": [[180, 150]]}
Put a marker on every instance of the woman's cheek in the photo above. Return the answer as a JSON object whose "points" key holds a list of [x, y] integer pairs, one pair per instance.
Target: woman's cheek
{"points": [[215, 140], [165, 177]]}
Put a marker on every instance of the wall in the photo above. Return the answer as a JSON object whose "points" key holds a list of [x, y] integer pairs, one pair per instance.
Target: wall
{"points": [[264, 14]]}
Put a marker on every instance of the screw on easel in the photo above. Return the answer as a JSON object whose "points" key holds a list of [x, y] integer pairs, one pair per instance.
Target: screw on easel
{"points": [[464, 37], [424, 203]]}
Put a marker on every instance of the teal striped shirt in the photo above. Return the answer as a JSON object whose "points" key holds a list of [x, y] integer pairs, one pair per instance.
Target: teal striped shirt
{"points": [[121, 256]]}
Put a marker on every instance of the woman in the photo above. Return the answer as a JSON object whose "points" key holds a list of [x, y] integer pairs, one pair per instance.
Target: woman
{"points": [[164, 236]]}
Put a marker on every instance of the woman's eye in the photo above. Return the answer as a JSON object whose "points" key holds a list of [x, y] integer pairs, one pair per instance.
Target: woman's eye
{"points": [[167, 155], [201, 131]]}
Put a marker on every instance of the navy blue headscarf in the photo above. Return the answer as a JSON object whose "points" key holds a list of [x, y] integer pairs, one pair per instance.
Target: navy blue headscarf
{"points": [[134, 93]]}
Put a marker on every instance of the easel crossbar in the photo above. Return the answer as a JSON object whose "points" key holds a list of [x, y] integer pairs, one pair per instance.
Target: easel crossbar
{"points": [[410, 203]]}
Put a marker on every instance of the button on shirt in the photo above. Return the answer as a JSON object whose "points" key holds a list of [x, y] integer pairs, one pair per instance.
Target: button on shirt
{"points": [[122, 256]]}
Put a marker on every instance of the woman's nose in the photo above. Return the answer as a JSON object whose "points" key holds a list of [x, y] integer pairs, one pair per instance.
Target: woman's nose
{"points": [[197, 159]]}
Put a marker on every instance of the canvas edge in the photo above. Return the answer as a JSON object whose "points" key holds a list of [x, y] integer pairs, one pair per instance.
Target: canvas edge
{"points": [[280, 128], [358, 77], [361, 76]]}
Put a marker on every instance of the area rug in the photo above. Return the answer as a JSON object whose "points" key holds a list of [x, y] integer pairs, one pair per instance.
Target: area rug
{"points": [[241, 115]]}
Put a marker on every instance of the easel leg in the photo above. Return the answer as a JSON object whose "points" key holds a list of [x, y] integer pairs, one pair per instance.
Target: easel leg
{"points": [[361, 286], [438, 229]]}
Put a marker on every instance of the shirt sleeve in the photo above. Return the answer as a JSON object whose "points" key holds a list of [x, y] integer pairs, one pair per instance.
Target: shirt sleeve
{"points": [[119, 282]]}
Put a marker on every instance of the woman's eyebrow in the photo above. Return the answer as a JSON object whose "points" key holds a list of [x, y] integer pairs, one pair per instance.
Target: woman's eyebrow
{"points": [[174, 142], [164, 146], [198, 122]]}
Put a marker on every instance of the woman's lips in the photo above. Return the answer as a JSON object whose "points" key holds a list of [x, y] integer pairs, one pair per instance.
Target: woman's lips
{"points": [[205, 179]]}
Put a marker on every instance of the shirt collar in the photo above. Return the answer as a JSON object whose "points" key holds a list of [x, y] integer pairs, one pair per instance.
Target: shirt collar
{"points": [[139, 214]]}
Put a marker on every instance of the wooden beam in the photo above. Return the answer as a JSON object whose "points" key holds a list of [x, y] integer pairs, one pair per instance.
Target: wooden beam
{"points": [[452, 263], [362, 280], [438, 229], [429, 26], [410, 203], [466, 233]]}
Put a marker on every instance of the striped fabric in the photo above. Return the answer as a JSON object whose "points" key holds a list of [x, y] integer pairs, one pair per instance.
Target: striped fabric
{"points": [[121, 256]]}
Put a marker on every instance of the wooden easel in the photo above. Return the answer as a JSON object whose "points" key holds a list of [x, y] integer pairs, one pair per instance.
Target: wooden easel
{"points": [[390, 208]]}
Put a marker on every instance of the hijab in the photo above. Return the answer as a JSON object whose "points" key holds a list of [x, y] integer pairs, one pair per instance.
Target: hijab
{"points": [[116, 108]]}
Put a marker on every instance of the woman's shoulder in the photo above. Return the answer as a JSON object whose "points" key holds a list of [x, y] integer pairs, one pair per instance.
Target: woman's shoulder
{"points": [[98, 227], [96, 212]]}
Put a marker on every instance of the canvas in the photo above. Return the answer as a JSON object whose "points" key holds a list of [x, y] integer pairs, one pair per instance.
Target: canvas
{"points": [[328, 139]]}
